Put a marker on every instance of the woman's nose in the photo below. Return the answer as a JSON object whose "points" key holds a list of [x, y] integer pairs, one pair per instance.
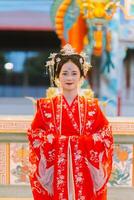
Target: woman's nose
{"points": [[69, 77]]}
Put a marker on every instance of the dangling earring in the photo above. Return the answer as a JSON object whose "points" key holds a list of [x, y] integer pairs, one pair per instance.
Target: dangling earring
{"points": [[57, 82]]}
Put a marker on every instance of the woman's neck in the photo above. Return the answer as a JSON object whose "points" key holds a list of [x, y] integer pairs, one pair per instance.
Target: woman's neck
{"points": [[70, 95]]}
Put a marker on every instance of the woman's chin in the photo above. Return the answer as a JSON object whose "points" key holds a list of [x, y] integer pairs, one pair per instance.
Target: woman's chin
{"points": [[69, 88]]}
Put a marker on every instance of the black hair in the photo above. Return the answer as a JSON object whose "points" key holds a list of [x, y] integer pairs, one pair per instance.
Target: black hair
{"points": [[61, 59]]}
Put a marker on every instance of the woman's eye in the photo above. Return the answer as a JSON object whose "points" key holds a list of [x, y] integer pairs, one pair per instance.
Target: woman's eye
{"points": [[74, 73], [64, 74]]}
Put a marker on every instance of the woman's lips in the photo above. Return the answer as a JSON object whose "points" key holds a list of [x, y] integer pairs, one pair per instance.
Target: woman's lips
{"points": [[69, 83]]}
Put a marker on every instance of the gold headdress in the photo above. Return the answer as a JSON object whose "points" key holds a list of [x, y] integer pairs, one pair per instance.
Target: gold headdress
{"points": [[66, 50]]}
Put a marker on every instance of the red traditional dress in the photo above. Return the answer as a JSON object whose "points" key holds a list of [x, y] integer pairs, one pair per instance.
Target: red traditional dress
{"points": [[70, 150]]}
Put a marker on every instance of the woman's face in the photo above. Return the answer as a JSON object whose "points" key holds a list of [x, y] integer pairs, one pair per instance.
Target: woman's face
{"points": [[69, 76]]}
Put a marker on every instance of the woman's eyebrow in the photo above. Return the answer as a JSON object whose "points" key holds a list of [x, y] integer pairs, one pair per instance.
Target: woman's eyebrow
{"points": [[64, 71], [69, 70]]}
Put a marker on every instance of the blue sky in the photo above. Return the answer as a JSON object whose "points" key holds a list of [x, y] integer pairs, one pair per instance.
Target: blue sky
{"points": [[33, 5]]}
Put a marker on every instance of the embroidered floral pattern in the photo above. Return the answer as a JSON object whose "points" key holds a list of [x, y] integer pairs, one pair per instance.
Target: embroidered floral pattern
{"points": [[62, 162], [94, 156], [78, 174], [51, 149], [58, 113], [71, 117]]}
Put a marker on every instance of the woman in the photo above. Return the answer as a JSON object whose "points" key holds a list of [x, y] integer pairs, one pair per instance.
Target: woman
{"points": [[70, 139]]}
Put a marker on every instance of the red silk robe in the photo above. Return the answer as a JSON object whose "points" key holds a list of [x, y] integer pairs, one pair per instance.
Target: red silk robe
{"points": [[70, 150]]}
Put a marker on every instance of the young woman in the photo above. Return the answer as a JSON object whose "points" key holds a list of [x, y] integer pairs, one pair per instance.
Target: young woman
{"points": [[70, 139]]}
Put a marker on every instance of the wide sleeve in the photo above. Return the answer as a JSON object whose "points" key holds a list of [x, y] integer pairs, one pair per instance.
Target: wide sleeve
{"points": [[99, 148], [39, 140], [41, 156]]}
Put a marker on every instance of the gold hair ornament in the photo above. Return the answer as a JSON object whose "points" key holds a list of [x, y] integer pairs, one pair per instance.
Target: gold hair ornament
{"points": [[66, 50]]}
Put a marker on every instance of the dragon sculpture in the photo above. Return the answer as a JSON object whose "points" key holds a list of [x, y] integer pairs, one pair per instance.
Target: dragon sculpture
{"points": [[85, 25]]}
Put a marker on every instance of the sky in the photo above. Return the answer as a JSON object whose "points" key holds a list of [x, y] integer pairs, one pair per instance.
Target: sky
{"points": [[12, 5]]}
